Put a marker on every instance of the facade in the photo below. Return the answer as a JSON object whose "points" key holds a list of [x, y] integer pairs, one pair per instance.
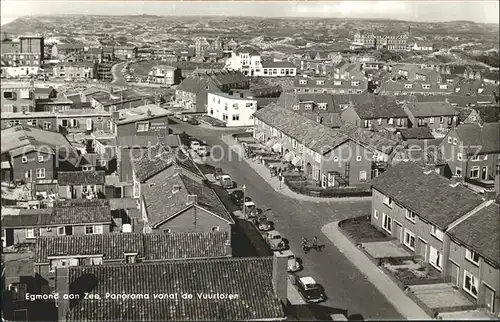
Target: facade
{"points": [[87, 184], [420, 47], [246, 60], [76, 70], [88, 217], [389, 42], [235, 108], [276, 69], [350, 85], [125, 52], [473, 151], [17, 97], [145, 120], [185, 54], [163, 74], [437, 116]]}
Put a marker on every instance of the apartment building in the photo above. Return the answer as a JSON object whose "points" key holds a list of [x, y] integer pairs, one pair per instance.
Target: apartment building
{"points": [[246, 60], [163, 74], [125, 52], [235, 108], [355, 85]]}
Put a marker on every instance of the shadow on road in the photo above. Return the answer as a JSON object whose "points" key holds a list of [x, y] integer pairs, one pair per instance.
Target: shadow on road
{"points": [[314, 312]]}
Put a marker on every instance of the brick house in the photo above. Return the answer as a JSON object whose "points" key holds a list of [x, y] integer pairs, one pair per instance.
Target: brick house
{"points": [[63, 219], [373, 111], [81, 184], [474, 257], [55, 252], [473, 151], [405, 206], [259, 283], [437, 116]]}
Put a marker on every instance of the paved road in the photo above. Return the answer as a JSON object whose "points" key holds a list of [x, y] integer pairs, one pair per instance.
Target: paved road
{"points": [[118, 78], [345, 286]]}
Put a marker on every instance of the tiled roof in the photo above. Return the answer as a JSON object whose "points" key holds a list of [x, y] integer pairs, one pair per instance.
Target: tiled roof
{"points": [[148, 162], [430, 196], [328, 119], [81, 177], [148, 246], [227, 77], [486, 136], [312, 135], [95, 51], [491, 76], [134, 141], [20, 136], [249, 278], [375, 106], [431, 109], [193, 84], [289, 99], [481, 232], [76, 215], [420, 133], [380, 141]]}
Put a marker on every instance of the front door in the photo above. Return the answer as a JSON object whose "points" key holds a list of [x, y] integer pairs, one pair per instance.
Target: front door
{"points": [[454, 272], [423, 249], [331, 180], [484, 173], [489, 298], [399, 231]]}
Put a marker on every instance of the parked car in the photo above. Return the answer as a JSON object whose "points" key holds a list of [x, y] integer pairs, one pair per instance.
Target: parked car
{"points": [[338, 317], [263, 224], [202, 151], [309, 289], [293, 264], [193, 121], [226, 182], [195, 145], [275, 241], [237, 197], [218, 172], [250, 209]]}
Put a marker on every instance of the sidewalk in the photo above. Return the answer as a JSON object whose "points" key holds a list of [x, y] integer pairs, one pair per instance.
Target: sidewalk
{"points": [[275, 183], [403, 304]]}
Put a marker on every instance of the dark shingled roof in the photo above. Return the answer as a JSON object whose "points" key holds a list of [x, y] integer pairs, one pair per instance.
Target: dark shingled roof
{"points": [[380, 141], [420, 133], [375, 106], [147, 246], [486, 136], [426, 109], [250, 278], [81, 177], [430, 196], [147, 163], [247, 50], [481, 232]]}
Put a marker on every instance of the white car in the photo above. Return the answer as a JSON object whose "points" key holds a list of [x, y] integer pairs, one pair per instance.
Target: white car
{"points": [[195, 145], [275, 241], [293, 264]]}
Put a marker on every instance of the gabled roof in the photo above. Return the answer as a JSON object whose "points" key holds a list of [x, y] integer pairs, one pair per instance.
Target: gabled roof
{"points": [[193, 84], [431, 109], [481, 232], [375, 106], [20, 136], [249, 278], [430, 195], [81, 177], [247, 50], [147, 163], [327, 119], [419, 133], [147, 246], [380, 141], [486, 136], [289, 99]]}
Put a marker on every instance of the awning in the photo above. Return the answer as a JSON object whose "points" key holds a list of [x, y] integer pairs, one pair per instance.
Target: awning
{"points": [[289, 156], [270, 143], [277, 147], [297, 161], [5, 165]]}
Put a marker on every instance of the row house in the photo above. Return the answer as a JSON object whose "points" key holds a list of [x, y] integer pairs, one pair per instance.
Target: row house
{"points": [[259, 283], [53, 105], [444, 234], [76, 70], [473, 151], [373, 111], [389, 42], [166, 174], [247, 60], [163, 74], [30, 154], [356, 85], [125, 52], [192, 92], [410, 79], [42, 120], [34, 60], [317, 107], [276, 69], [439, 117], [60, 220], [465, 71], [492, 78], [86, 184], [235, 108], [324, 154], [17, 97], [145, 120]]}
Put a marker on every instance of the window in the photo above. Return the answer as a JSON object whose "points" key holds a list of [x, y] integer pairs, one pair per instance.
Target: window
{"points": [[485, 157], [317, 157], [474, 172], [24, 159], [358, 158], [61, 231], [306, 90], [295, 107], [322, 106], [441, 119], [167, 231], [99, 119], [89, 230], [235, 106], [142, 126], [410, 215], [431, 120], [472, 256], [409, 240], [47, 125], [455, 141], [391, 121], [450, 139], [436, 232], [215, 228], [387, 223], [458, 171], [308, 106], [354, 83], [459, 156], [103, 163], [408, 85], [301, 81], [40, 173], [471, 284], [30, 233], [435, 258], [362, 176], [443, 86], [236, 117], [375, 214], [320, 82], [337, 83], [388, 201], [40, 158], [426, 86]]}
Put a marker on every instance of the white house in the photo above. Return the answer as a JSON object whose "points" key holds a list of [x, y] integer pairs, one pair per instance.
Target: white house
{"points": [[416, 47], [246, 60], [235, 108], [277, 69]]}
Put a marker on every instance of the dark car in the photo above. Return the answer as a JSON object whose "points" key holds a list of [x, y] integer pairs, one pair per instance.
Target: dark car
{"points": [[311, 291], [263, 224], [237, 197], [193, 121], [218, 172]]}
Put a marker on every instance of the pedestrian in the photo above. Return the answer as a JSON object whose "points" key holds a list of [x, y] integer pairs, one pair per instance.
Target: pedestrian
{"points": [[315, 242]]}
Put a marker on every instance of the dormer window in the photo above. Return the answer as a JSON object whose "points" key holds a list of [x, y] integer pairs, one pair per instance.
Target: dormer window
{"points": [[176, 188], [308, 106], [320, 82], [303, 81], [322, 106], [408, 85], [354, 83], [130, 258], [426, 86], [295, 107]]}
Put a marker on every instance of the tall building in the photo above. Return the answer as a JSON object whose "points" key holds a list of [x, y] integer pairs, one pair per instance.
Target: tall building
{"points": [[32, 44]]}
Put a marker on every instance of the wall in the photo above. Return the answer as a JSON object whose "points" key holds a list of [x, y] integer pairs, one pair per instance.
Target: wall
{"points": [[20, 233], [98, 123], [216, 109], [450, 152], [41, 122], [20, 168], [349, 115], [129, 129], [22, 99]]}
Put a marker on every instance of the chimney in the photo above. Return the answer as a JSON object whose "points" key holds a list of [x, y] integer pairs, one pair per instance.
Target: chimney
{"points": [[115, 116], [62, 288], [192, 199], [429, 168], [280, 276], [490, 194], [149, 113], [456, 180]]}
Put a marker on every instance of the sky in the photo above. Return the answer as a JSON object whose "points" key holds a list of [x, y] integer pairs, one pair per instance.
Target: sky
{"points": [[447, 10]]}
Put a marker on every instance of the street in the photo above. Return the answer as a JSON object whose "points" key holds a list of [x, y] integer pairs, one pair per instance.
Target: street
{"points": [[345, 287]]}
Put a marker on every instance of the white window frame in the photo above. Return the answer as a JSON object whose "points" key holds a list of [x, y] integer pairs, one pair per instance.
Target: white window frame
{"points": [[40, 173], [41, 159], [473, 281], [437, 233], [450, 140], [455, 141], [410, 215], [409, 233], [141, 130], [30, 233], [474, 169], [475, 158], [358, 158], [431, 120], [458, 171], [296, 107], [470, 254], [388, 201], [375, 213], [362, 176], [24, 159], [215, 228], [87, 233], [389, 223], [63, 231], [459, 156], [438, 264]]}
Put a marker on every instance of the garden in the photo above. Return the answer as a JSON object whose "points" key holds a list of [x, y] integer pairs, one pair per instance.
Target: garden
{"points": [[410, 271], [360, 229]]}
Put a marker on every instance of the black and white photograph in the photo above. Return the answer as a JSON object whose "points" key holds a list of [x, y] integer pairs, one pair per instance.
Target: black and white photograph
{"points": [[250, 160]]}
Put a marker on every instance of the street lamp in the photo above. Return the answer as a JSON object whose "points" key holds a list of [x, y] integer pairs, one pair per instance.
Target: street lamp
{"points": [[244, 188]]}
